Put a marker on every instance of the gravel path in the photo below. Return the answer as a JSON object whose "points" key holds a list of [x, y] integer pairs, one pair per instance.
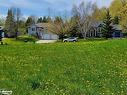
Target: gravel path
{"points": [[46, 41]]}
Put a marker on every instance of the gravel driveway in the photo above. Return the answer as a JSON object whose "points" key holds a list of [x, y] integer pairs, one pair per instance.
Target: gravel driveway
{"points": [[46, 41]]}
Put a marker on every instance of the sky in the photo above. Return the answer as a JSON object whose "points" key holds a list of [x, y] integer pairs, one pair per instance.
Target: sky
{"points": [[42, 8]]}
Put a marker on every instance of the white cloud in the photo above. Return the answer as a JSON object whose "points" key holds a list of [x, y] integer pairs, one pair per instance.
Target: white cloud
{"points": [[41, 6]]}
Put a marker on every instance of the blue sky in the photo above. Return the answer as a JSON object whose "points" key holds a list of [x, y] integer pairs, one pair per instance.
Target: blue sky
{"points": [[44, 7]]}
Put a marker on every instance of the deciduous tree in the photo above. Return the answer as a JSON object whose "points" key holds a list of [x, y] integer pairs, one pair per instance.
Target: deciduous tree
{"points": [[83, 17]]}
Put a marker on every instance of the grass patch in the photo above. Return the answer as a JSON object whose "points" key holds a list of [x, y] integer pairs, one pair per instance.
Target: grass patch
{"points": [[92, 68]]}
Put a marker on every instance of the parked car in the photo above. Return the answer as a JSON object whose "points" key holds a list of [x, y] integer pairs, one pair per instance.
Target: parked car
{"points": [[70, 39]]}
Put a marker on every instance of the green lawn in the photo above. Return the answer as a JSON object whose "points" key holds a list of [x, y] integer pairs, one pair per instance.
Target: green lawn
{"points": [[82, 68]]}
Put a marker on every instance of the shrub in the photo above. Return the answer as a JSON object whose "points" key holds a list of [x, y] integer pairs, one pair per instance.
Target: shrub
{"points": [[26, 38]]}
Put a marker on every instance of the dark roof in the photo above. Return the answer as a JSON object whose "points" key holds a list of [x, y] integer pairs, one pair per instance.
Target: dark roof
{"points": [[97, 24], [117, 27], [100, 24]]}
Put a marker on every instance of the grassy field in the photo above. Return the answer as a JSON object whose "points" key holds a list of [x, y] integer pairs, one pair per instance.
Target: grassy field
{"points": [[83, 68]]}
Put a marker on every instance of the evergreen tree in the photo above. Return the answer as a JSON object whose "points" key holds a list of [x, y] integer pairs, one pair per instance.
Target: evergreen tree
{"points": [[58, 19], [2, 22], [10, 23], [116, 20], [40, 20], [49, 19], [44, 19], [22, 27], [29, 21], [107, 28]]}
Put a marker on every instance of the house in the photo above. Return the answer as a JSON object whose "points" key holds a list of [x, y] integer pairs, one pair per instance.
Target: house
{"points": [[1, 32], [41, 31], [96, 31], [117, 31]]}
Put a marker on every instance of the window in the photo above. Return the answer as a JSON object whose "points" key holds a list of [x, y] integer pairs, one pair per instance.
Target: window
{"points": [[33, 29]]}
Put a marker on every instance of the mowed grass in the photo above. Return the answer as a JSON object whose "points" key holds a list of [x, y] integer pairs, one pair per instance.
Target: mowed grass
{"points": [[82, 68]]}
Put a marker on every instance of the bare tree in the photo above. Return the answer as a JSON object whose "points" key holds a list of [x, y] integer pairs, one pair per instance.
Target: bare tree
{"points": [[61, 27], [83, 17]]}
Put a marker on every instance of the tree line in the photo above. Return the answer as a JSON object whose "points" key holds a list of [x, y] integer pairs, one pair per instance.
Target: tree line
{"points": [[78, 24]]}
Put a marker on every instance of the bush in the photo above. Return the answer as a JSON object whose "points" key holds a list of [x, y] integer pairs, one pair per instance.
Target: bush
{"points": [[26, 38]]}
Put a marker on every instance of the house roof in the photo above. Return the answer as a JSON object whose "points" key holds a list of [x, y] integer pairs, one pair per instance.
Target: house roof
{"points": [[97, 24], [44, 25], [1, 27], [100, 24], [117, 27]]}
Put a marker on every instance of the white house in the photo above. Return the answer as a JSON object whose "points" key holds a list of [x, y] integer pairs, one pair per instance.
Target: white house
{"points": [[41, 31]]}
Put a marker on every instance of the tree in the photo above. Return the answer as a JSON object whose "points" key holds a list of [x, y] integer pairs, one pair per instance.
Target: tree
{"points": [[123, 16], [60, 27], [22, 27], [40, 20], [44, 19], [116, 20], [83, 17], [49, 19], [17, 15], [107, 28], [98, 14], [29, 21], [10, 23], [2, 22], [115, 7]]}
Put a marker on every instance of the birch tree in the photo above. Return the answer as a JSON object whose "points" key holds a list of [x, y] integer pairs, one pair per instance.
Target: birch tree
{"points": [[60, 27], [83, 17]]}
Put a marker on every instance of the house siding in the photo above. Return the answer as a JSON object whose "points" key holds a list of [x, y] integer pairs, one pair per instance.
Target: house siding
{"points": [[42, 32]]}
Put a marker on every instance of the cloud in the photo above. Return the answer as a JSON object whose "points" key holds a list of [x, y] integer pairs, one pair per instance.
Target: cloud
{"points": [[40, 7]]}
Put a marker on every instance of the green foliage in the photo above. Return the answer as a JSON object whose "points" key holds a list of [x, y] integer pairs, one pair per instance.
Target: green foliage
{"points": [[107, 28], [118, 8], [115, 7], [116, 20], [26, 38], [55, 69], [49, 19], [58, 19], [99, 14], [2, 22], [29, 21], [40, 20], [123, 16], [45, 19], [22, 27], [10, 23]]}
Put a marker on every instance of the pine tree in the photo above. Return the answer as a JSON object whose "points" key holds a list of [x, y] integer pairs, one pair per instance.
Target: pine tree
{"points": [[116, 20], [49, 19], [29, 21], [107, 28], [10, 23], [40, 20], [44, 19]]}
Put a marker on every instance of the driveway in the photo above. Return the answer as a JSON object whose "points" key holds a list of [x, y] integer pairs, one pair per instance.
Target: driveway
{"points": [[46, 41]]}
